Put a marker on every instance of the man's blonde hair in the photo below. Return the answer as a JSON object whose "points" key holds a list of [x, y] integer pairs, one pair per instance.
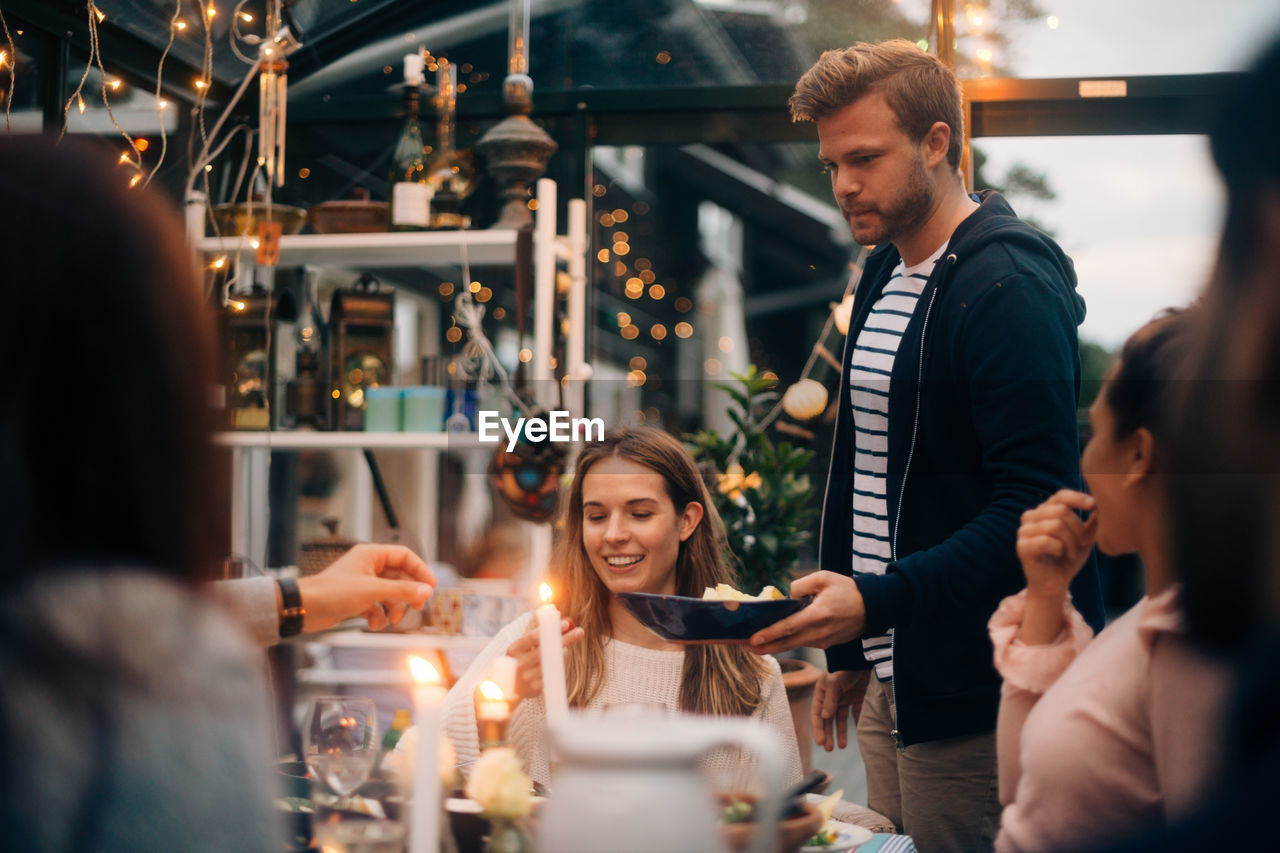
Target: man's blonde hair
{"points": [[916, 85]]}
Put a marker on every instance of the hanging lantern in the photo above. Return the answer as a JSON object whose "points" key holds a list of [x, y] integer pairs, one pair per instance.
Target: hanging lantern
{"points": [[805, 400], [842, 312]]}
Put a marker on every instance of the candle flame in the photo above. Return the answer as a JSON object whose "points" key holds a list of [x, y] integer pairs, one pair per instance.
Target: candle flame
{"points": [[544, 592], [423, 671], [491, 691]]}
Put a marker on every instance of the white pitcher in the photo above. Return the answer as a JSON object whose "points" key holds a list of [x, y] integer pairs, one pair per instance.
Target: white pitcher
{"points": [[632, 785]]}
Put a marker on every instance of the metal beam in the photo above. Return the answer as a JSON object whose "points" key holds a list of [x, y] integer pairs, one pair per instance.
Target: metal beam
{"points": [[1093, 106], [1000, 107]]}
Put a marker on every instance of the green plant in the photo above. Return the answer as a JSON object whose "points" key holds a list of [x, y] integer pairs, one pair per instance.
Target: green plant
{"points": [[759, 487]]}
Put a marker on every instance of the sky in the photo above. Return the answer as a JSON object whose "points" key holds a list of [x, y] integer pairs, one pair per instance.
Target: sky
{"points": [[1139, 215]]}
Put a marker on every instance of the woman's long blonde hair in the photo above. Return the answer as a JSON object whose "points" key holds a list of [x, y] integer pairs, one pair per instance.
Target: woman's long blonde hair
{"points": [[716, 679]]}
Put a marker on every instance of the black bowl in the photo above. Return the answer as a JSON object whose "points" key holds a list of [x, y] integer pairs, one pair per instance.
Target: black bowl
{"points": [[697, 620]]}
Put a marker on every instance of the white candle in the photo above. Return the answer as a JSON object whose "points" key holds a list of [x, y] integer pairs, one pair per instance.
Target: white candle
{"points": [[551, 649], [503, 674], [428, 704]]}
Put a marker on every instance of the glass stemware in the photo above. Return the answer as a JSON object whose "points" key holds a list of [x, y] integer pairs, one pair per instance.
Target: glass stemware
{"points": [[340, 741]]}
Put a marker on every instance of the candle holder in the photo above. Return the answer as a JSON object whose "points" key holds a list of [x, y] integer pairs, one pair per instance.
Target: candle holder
{"points": [[493, 715], [492, 733]]}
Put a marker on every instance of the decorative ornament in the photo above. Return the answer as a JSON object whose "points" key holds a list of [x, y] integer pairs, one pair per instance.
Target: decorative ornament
{"points": [[805, 400], [517, 150], [528, 477]]}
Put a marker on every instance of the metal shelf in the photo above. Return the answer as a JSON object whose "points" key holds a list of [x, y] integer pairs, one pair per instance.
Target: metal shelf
{"points": [[393, 249]]}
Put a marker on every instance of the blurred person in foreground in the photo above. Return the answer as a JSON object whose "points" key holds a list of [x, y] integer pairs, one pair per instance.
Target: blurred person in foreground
{"points": [[1098, 735], [134, 715], [1225, 482], [637, 519], [957, 412]]}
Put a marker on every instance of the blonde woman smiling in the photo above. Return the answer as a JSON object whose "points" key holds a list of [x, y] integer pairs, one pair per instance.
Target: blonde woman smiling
{"points": [[638, 519]]}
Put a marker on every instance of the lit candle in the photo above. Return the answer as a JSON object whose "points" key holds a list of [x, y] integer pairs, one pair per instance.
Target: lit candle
{"points": [[551, 648], [428, 702], [492, 714]]}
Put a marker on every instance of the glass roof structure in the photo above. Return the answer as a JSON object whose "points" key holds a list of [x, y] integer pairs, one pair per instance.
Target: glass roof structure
{"points": [[659, 108]]}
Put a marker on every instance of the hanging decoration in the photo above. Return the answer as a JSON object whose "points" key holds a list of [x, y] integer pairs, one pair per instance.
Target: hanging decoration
{"points": [[805, 400], [526, 478], [273, 86], [801, 399]]}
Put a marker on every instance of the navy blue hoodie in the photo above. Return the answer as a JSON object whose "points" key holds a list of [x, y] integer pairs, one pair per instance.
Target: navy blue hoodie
{"points": [[982, 426]]}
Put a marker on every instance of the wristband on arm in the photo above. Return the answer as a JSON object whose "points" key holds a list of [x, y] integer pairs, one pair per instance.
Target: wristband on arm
{"points": [[291, 609]]}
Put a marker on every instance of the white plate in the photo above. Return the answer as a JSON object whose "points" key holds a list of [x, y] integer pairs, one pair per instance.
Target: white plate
{"points": [[849, 836]]}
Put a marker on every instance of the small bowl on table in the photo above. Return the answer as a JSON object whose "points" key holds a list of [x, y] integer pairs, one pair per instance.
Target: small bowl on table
{"points": [[793, 832]]}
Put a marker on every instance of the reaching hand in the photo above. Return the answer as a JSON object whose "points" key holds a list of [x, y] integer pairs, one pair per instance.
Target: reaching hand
{"points": [[528, 654], [379, 582], [836, 615], [1054, 543], [836, 697]]}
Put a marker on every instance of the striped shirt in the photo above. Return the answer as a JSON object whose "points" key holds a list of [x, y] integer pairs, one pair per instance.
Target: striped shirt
{"points": [[869, 370]]}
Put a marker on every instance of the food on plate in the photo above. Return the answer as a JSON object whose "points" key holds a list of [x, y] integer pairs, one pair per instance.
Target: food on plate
{"points": [[736, 811], [826, 836], [725, 592]]}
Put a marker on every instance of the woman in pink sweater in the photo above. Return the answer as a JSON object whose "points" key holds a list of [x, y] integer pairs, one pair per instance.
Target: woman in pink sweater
{"points": [[1099, 736]]}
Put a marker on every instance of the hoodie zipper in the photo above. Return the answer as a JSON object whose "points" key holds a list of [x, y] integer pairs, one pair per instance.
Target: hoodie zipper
{"points": [[897, 518]]}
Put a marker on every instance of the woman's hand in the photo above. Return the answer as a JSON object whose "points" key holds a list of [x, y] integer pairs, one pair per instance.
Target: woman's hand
{"points": [[528, 654], [1053, 545]]}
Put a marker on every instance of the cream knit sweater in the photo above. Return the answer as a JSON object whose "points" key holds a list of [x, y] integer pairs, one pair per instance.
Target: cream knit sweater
{"points": [[635, 675]]}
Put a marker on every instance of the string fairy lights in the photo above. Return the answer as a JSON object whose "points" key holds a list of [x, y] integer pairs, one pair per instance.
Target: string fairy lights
{"points": [[9, 62], [131, 155]]}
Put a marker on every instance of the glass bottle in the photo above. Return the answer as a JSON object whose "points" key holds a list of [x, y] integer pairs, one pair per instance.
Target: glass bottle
{"points": [[451, 173], [410, 191]]}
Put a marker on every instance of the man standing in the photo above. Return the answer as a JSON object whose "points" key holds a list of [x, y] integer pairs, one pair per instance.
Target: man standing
{"points": [[957, 413]]}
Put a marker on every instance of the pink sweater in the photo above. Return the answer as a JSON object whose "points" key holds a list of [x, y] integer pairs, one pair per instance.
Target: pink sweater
{"points": [[1098, 737]]}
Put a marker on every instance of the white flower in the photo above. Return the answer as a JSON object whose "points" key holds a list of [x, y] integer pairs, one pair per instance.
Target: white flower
{"points": [[498, 783]]}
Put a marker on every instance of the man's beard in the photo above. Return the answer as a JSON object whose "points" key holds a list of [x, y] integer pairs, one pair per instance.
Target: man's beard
{"points": [[905, 213]]}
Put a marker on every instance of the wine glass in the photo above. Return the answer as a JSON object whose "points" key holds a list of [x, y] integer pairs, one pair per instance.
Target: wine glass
{"points": [[340, 741]]}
